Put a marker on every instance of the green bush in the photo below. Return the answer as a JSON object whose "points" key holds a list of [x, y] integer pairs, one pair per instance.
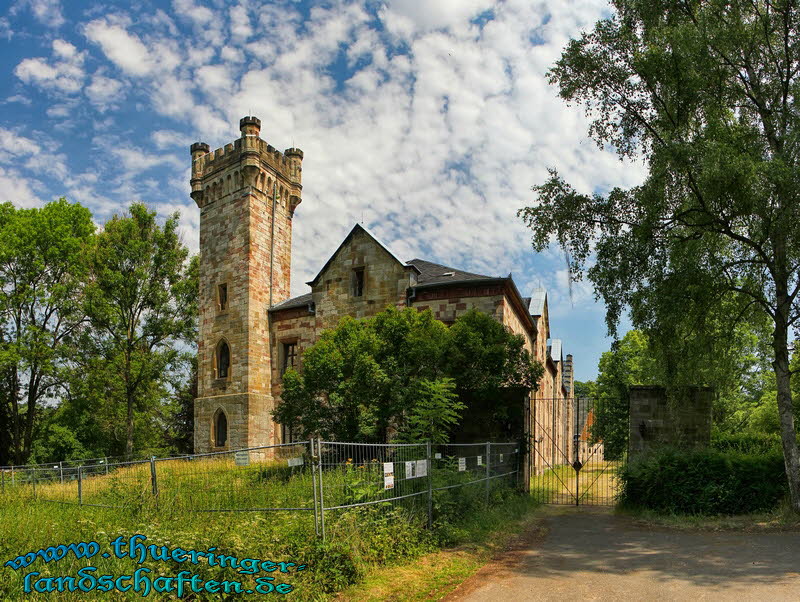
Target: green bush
{"points": [[747, 443], [705, 481]]}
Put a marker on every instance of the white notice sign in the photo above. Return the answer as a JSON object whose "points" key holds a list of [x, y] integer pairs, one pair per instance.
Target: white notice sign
{"points": [[480, 460], [411, 468], [501, 457], [388, 475], [462, 464], [422, 468], [242, 458], [295, 461], [437, 456]]}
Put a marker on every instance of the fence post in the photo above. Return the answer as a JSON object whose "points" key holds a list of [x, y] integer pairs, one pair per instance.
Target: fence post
{"points": [[488, 471], [12, 475], [61, 471], [80, 487], [314, 485], [430, 484], [153, 478], [3, 473], [321, 490], [105, 461], [33, 472]]}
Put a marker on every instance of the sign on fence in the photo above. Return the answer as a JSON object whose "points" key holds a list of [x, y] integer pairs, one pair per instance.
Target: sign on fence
{"points": [[480, 460], [242, 458], [422, 468], [462, 464], [411, 469], [388, 475], [295, 461], [437, 456]]}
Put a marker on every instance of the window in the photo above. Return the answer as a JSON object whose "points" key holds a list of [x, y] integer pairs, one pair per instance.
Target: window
{"points": [[223, 360], [289, 356], [222, 297], [220, 428], [358, 282], [287, 434]]}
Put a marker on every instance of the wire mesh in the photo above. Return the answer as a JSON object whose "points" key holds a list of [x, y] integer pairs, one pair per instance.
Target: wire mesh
{"points": [[260, 479]]}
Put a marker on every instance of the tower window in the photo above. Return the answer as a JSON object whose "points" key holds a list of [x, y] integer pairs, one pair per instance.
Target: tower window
{"points": [[223, 360], [222, 297], [220, 428], [358, 282], [289, 356]]}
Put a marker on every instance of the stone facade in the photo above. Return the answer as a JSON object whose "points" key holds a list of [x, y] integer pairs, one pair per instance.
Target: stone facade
{"points": [[247, 193], [656, 420]]}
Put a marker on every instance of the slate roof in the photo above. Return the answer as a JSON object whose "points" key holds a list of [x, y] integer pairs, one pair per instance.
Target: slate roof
{"points": [[555, 349], [301, 301], [436, 273]]}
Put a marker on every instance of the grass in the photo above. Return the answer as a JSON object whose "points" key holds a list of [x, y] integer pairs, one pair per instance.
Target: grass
{"points": [[597, 484], [360, 541], [778, 520]]}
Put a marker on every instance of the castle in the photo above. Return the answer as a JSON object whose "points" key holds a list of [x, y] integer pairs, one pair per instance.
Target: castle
{"points": [[251, 331]]}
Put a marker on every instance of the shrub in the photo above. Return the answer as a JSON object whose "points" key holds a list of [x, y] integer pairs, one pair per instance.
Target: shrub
{"points": [[705, 481], [747, 443]]}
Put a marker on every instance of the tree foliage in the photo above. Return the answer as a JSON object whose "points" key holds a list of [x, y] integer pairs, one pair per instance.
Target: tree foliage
{"points": [[400, 372], [42, 275], [704, 92]]}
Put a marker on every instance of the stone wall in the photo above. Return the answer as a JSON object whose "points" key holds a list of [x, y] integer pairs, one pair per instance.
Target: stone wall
{"points": [[684, 420]]}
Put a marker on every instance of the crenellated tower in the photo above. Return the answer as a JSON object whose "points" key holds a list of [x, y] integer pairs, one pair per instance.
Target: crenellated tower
{"points": [[247, 193]]}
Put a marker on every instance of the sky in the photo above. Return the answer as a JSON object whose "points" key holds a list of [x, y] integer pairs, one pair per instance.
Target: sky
{"points": [[429, 122]]}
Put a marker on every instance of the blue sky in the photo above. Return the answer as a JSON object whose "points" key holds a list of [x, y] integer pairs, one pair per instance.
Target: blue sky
{"points": [[429, 121]]}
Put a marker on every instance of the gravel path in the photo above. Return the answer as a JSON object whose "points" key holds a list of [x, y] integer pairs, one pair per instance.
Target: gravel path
{"points": [[591, 554]]}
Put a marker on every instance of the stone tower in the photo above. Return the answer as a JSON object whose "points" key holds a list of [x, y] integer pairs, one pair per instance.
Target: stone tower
{"points": [[247, 193]]}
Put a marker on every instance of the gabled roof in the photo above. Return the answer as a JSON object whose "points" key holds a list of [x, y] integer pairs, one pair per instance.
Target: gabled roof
{"points": [[356, 228], [436, 273]]}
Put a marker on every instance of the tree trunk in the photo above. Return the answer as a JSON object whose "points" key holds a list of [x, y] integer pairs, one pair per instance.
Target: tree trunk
{"points": [[791, 454]]}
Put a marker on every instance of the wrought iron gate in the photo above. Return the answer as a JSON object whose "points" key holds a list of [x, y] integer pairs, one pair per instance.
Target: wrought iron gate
{"points": [[570, 461]]}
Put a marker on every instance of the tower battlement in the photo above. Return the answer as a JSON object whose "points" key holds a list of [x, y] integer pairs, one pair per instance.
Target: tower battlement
{"points": [[247, 162]]}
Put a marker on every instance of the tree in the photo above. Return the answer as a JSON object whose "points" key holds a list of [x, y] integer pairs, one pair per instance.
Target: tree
{"points": [[628, 363], [401, 372], [705, 92], [142, 301], [42, 277]]}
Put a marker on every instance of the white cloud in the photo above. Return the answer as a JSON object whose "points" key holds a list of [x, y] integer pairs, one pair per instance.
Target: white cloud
{"points": [[64, 74], [122, 48], [47, 12], [17, 188], [104, 92], [167, 139]]}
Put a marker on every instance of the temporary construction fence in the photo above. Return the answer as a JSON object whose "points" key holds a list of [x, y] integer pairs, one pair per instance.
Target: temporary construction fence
{"points": [[315, 477]]}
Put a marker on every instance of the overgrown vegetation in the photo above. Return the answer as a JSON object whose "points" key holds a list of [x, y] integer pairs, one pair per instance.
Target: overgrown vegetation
{"points": [[704, 481], [404, 372], [358, 539]]}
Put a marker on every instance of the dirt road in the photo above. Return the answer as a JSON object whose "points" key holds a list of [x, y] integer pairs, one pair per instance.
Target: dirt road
{"points": [[591, 554]]}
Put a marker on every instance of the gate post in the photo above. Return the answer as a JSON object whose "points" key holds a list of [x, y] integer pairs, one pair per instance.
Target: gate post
{"points": [[34, 481], [154, 478], [488, 471], [321, 490], [80, 487], [314, 460], [61, 471], [430, 483]]}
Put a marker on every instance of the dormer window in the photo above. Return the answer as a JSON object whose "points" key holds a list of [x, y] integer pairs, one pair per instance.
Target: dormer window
{"points": [[222, 297], [358, 282]]}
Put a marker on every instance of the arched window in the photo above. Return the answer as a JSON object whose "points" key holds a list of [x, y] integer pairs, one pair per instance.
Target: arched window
{"points": [[220, 428], [223, 360]]}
